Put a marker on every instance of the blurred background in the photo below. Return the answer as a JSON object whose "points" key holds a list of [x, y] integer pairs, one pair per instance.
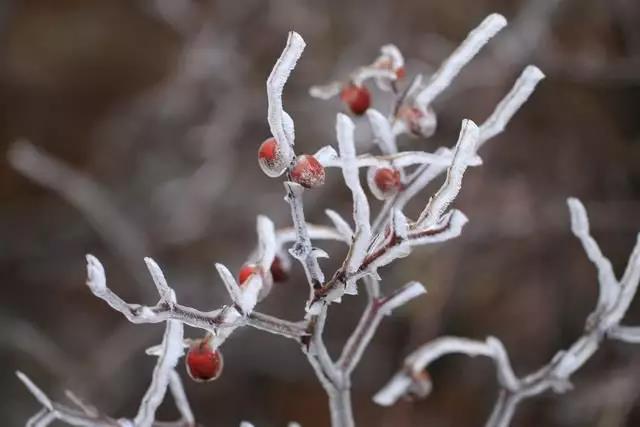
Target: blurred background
{"points": [[147, 116]]}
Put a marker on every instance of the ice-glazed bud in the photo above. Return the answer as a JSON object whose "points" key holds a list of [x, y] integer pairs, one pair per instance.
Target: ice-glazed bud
{"points": [[419, 122], [421, 386], [384, 182], [270, 158], [203, 363], [307, 171], [357, 98], [279, 272], [246, 271]]}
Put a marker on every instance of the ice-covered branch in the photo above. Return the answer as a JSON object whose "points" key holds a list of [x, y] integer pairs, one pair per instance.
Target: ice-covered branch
{"points": [[212, 321], [491, 127], [280, 123], [163, 377], [385, 70], [401, 159], [613, 302], [459, 58], [170, 354], [302, 249], [377, 308], [362, 234], [404, 381], [382, 131], [392, 236], [180, 399], [630, 334], [341, 281], [606, 276], [52, 411], [464, 152], [511, 103]]}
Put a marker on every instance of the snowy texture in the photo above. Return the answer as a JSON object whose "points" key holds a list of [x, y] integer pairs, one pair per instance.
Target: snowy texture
{"points": [[613, 302], [467, 50], [280, 122], [371, 245]]}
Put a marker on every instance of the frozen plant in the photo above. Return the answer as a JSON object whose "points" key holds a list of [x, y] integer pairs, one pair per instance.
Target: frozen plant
{"points": [[373, 242], [614, 298]]}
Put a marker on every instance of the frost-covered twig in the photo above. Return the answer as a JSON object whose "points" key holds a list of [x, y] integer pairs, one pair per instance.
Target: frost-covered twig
{"points": [[401, 159], [377, 308], [163, 377], [219, 322], [302, 250], [463, 154], [364, 256], [492, 126], [393, 236], [613, 302], [362, 233], [280, 122], [511, 103], [170, 354], [458, 59]]}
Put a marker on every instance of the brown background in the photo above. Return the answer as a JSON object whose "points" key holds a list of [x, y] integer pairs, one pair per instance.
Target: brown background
{"points": [[99, 85]]}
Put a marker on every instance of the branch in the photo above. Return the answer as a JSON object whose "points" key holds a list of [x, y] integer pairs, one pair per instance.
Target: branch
{"points": [[172, 350], [511, 103], [362, 235], [606, 277], [401, 159], [211, 321], [377, 308], [302, 250], [163, 376], [463, 155], [459, 58], [613, 302], [491, 127], [280, 122]]}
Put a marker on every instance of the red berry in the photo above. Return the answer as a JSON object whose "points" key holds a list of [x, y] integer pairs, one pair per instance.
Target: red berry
{"points": [[400, 73], [203, 363], [278, 270], [356, 97], [384, 182], [246, 272], [270, 158], [387, 179], [307, 171]]}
